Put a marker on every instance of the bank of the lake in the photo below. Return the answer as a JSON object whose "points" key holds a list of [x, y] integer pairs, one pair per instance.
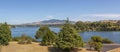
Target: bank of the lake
{"points": [[31, 31]]}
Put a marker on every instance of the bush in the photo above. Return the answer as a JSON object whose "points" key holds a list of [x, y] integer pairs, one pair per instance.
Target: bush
{"points": [[16, 38], [106, 40], [98, 46], [96, 43], [96, 38], [3, 40], [24, 39]]}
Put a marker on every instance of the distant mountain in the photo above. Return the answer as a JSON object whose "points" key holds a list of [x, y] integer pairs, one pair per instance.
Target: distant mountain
{"points": [[49, 22]]}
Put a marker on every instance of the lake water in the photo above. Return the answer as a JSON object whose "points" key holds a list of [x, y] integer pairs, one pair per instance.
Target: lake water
{"points": [[31, 31]]}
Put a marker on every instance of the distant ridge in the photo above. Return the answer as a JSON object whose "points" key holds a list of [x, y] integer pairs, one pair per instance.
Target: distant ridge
{"points": [[49, 22], [61, 22]]}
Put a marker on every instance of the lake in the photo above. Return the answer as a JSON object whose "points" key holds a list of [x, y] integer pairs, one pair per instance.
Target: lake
{"points": [[31, 31]]}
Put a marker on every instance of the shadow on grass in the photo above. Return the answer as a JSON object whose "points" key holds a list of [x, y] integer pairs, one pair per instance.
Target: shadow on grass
{"points": [[53, 49]]}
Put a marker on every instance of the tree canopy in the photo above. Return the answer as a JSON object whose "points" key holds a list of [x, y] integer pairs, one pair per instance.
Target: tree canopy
{"points": [[48, 37], [68, 38], [5, 34]]}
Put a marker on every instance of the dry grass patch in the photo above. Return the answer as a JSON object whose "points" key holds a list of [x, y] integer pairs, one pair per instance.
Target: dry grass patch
{"points": [[34, 47]]}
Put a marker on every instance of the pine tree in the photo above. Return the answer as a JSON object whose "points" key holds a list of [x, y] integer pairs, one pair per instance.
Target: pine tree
{"points": [[48, 36], [41, 32], [68, 38], [5, 34]]}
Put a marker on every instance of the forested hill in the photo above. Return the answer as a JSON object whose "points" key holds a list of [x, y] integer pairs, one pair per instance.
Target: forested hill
{"points": [[106, 25], [51, 22]]}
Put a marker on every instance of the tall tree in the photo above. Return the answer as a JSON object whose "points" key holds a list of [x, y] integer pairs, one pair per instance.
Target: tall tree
{"points": [[48, 36], [5, 34], [68, 38], [41, 32]]}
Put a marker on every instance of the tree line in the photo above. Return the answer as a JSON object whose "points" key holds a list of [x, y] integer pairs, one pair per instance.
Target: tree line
{"points": [[97, 26]]}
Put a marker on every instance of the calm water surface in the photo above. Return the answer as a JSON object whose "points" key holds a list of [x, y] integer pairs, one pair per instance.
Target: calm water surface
{"points": [[31, 31]]}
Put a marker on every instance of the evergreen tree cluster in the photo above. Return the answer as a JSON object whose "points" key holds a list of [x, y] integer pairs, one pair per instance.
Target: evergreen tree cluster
{"points": [[67, 39]]}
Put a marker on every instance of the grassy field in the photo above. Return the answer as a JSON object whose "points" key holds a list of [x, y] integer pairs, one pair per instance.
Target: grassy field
{"points": [[35, 47]]}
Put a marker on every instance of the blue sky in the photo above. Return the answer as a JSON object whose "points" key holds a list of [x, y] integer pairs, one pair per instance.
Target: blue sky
{"points": [[25, 11]]}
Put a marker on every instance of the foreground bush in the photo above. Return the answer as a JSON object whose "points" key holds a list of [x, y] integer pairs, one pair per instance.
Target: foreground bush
{"points": [[96, 43], [106, 40], [24, 39], [16, 38], [3, 40]]}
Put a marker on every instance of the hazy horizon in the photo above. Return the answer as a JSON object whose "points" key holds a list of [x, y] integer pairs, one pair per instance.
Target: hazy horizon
{"points": [[26, 11]]}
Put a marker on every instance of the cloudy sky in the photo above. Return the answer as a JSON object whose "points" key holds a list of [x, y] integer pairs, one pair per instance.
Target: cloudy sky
{"points": [[25, 11]]}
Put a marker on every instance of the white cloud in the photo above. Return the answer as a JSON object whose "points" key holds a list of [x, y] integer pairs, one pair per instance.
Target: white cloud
{"points": [[50, 16], [102, 15], [97, 17]]}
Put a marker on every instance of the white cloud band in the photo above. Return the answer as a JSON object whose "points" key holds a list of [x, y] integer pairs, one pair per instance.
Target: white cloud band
{"points": [[102, 15]]}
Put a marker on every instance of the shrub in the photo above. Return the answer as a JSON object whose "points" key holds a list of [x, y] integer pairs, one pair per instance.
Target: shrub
{"points": [[24, 39], [96, 43], [16, 38], [96, 39], [106, 40], [98, 46], [3, 40]]}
